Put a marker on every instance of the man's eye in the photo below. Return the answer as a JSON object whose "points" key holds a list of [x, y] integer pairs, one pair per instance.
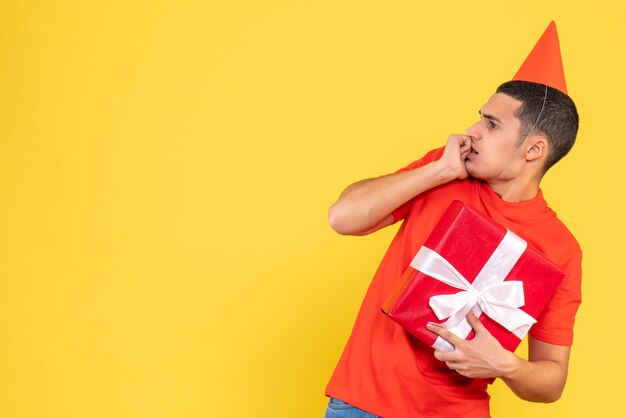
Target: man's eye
{"points": [[492, 125]]}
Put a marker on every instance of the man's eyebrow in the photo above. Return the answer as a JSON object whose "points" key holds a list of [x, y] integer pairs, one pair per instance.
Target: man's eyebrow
{"points": [[491, 117]]}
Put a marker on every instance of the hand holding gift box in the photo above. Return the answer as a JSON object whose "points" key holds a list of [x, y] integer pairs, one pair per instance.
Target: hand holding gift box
{"points": [[469, 262]]}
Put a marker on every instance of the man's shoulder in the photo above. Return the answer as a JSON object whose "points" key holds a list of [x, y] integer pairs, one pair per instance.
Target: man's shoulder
{"points": [[555, 239], [561, 230]]}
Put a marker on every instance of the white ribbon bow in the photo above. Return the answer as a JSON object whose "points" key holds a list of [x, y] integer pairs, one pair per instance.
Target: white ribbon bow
{"points": [[489, 293]]}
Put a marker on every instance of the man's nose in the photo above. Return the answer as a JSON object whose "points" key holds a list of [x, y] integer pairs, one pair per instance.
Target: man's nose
{"points": [[474, 131]]}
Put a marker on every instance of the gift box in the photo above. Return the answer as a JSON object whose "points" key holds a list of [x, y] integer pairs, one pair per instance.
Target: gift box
{"points": [[469, 262]]}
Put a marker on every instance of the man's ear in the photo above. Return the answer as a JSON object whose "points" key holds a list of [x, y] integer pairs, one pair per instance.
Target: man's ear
{"points": [[537, 148]]}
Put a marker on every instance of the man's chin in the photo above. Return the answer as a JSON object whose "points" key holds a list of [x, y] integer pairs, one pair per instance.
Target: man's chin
{"points": [[472, 171]]}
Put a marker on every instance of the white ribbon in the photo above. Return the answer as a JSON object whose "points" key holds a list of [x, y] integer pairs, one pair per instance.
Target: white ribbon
{"points": [[489, 293]]}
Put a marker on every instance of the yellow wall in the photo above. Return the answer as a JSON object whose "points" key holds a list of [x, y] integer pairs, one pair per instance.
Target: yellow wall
{"points": [[166, 168]]}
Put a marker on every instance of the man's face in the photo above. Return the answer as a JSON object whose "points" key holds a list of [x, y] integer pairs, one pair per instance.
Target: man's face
{"points": [[495, 154]]}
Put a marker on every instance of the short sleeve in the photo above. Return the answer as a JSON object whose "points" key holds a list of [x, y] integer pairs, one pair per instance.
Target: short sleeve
{"points": [[555, 325], [400, 212]]}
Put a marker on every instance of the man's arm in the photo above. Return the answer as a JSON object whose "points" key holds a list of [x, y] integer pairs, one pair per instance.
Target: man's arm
{"points": [[366, 206], [541, 378]]}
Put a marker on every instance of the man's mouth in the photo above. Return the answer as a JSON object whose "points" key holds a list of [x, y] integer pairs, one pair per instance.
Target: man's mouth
{"points": [[473, 151]]}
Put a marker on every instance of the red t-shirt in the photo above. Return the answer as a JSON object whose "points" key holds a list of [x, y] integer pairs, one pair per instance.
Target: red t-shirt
{"points": [[386, 371]]}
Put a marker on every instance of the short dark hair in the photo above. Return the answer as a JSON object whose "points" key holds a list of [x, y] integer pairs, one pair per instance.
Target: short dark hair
{"points": [[558, 121]]}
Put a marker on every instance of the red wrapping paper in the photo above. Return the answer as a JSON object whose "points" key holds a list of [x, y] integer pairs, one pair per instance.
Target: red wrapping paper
{"points": [[467, 239]]}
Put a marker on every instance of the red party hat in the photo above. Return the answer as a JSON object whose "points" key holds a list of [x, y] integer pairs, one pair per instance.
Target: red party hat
{"points": [[544, 65]]}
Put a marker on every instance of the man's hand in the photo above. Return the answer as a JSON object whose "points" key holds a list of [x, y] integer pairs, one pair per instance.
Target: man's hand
{"points": [[539, 379], [454, 155], [481, 357]]}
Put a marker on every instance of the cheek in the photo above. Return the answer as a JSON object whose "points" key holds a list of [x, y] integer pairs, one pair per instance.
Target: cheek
{"points": [[487, 165], [499, 155]]}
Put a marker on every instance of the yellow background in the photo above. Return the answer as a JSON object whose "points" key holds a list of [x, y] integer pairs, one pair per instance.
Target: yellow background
{"points": [[166, 169]]}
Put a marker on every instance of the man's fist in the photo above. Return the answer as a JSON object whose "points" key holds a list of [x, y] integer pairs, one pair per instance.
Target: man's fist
{"points": [[454, 155]]}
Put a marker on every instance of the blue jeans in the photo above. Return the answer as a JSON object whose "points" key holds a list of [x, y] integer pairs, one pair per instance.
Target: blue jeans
{"points": [[340, 409]]}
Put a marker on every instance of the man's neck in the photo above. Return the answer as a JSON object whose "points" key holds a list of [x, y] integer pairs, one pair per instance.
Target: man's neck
{"points": [[515, 191]]}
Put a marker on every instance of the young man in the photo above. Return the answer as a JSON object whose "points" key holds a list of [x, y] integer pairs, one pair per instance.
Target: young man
{"points": [[496, 167]]}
